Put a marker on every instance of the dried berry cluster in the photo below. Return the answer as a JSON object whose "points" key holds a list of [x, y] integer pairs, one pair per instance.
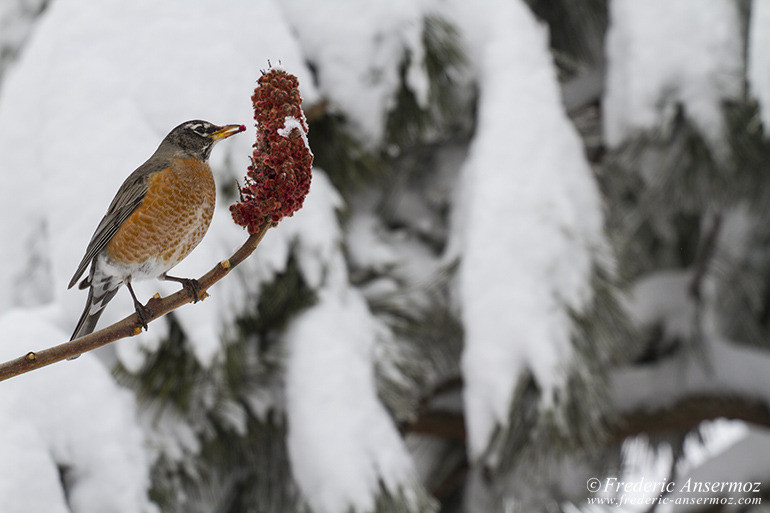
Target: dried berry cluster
{"points": [[278, 178]]}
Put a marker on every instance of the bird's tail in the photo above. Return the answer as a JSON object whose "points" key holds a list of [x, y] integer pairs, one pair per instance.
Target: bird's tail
{"points": [[101, 290]]}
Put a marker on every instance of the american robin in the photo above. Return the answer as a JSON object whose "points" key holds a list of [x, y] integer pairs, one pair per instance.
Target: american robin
{"points": [[160, 213]]}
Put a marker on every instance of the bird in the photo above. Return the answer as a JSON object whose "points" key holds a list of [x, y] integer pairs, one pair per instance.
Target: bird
{"points": [[159, 214]]}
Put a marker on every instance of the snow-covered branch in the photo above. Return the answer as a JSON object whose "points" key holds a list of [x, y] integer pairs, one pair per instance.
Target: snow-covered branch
{"points": [[648, 399], [675, 393], [723, 379], [728, 381], [130, 325]]}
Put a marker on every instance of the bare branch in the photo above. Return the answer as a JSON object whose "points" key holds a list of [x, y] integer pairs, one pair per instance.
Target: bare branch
{"points": [[130, 325], [447, 425], [686, 414]]}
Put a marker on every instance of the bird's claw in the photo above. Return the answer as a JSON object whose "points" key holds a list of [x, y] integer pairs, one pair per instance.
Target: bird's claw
{"points": [[142, 312], [193, 287]]}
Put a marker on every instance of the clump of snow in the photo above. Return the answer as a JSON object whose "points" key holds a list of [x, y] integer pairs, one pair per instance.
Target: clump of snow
{"points": [[342, 443], [290, 123], [168, 434], [733, 371], [739, 471], [664, 52], [758, 72], [722, 452], [532, 220], [69, 416], [729, 370], [365, 248], [664, 297], [358, 52]]}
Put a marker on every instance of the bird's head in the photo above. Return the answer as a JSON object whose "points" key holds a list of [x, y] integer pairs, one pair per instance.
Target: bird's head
{"points": [[196, 138]]}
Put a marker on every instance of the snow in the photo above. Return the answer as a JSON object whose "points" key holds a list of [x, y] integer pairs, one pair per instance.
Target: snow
{"points": [[758, 72], [357, 53], [342, 442], [664, 297], [732, 371], [532, 220], [366, 249], [343, 445], [289, 124], [743, 463], [99, 84], [48, 421], [168, 434], [724, 369], [664, 52]]}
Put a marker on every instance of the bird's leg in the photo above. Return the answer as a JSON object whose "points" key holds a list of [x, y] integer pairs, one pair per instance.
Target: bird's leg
{"points": [[191, 285], [141, 311]]}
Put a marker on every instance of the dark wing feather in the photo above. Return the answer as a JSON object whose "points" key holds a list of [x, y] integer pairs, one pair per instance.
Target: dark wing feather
{"points": [[125, 202]]}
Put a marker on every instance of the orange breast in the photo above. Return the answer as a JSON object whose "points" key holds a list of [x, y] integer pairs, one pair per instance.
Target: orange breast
{"points": [[172, 219]]}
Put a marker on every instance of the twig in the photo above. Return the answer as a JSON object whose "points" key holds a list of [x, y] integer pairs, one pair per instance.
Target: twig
{"points": [[130, 325]]}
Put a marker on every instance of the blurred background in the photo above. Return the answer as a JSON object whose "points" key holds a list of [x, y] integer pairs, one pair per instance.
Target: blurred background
{"points": [[532, 273]]}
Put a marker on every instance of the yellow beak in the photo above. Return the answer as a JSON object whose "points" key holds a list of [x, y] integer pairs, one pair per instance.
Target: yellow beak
{"points": [[226, 131]]}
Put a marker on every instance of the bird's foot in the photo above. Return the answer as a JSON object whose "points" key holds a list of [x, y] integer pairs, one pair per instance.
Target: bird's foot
{"points": [[142, 313], [191, 285]]}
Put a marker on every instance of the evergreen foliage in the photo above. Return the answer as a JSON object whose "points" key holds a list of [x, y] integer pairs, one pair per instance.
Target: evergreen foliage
{"points": [[234, 406], [345, 159], [580, 415], [424, 349], [576, 31], [676, 200], [351, 164], [242, 465], [409, 123], [668, 194]]}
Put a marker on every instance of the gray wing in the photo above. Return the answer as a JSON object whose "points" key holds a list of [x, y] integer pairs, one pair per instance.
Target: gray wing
{"points": [[125, 202]]}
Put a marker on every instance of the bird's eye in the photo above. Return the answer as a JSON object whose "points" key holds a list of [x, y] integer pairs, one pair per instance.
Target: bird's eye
{"points": [[198, 129]]}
